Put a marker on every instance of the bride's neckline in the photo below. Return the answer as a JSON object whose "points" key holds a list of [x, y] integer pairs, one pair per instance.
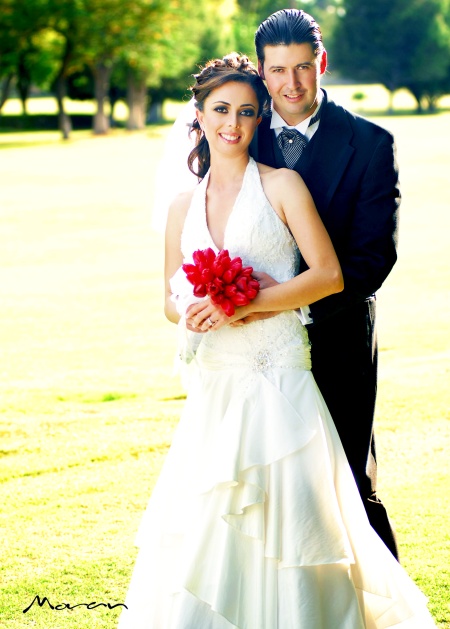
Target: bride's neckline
{"points": [[235, 204]]}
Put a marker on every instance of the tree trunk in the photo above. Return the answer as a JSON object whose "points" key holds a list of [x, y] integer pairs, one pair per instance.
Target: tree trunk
{"points": [[23, 94], [391, 102], [60, 90], [114, 97], [418, 97], [155, 111], [137, 101], [432, 103], [64, 121], [6, 84], [102, 74], [23, 82]]}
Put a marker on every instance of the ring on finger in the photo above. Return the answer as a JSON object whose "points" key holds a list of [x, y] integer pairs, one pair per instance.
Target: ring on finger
{"points": [[211, 323]]}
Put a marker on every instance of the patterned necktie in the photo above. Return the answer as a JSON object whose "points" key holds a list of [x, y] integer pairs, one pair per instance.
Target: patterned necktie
{"points": [[292, 142]]}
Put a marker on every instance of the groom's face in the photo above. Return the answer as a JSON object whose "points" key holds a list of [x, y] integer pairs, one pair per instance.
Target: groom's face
{"points": [[292, 74]]}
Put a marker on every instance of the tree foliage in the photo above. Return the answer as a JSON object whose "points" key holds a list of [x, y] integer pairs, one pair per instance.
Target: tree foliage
{"points": [[143, 44], [26, 50], [148, 49], [399, 43]]}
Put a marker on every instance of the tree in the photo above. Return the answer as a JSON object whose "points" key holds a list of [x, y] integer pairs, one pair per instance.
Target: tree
{"points": [[399, 43], [38, 39], [21, 54], [148, 44], [147, 38], [429, 92], [105, 34], [162, 65], [65, 19], [428, 87], [250, 14]]}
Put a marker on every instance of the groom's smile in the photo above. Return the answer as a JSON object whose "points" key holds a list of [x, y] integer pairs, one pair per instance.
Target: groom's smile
{"points": [[294, 98]]}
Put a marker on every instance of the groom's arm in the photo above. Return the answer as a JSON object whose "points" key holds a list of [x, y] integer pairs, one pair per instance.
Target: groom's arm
{"points": [[265, 281], [370, 248]]}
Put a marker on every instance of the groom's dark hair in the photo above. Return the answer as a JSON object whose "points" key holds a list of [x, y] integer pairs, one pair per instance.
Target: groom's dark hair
{"points": [[285, 27]]}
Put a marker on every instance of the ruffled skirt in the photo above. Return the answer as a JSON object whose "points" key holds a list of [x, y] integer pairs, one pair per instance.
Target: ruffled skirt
{"points": [[256, 521]]}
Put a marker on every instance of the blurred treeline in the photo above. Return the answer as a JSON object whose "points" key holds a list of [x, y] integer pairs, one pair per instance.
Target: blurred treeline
{"points": [[145, 51]]}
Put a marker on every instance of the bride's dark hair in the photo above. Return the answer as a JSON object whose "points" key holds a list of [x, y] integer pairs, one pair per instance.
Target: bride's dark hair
{"points": [[217, 72]]}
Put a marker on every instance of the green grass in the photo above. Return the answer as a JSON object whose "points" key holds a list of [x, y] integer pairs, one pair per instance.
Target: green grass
{"points": [[89, 401]]}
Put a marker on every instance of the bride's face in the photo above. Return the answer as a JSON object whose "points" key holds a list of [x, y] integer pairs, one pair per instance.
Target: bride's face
{"points": [[230, 117]]}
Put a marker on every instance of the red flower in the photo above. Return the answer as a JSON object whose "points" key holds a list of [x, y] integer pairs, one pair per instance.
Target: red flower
{"points": [[234, 268], [221, 263], [230, 290], [203, 259], [225, 280], [200, 290], [215, 287], [241, 299], [252, 289], [228, 307]]}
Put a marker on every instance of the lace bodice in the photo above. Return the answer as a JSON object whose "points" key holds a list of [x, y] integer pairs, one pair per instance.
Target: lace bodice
{"points": [[254, 230], [257, 234]]}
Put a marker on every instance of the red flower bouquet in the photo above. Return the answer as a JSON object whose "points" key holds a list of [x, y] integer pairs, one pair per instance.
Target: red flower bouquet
{"points": [[225, 280]]}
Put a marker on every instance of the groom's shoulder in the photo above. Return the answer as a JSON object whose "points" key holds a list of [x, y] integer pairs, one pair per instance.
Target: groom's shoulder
{"points": [[362, 127]]}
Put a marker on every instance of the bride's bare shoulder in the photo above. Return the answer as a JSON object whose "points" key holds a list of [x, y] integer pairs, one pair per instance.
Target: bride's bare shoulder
{"points": [[279, 176], [183, 200], [180, 204]]}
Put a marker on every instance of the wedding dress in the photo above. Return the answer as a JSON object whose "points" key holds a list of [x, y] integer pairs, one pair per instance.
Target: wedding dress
{"points": [[256, 521]]}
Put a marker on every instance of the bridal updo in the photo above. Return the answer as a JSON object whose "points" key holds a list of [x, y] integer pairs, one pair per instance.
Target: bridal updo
{"points": [[216, 73]]}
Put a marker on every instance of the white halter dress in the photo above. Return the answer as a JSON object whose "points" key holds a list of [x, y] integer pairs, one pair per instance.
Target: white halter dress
{"points": [[256, 521]]}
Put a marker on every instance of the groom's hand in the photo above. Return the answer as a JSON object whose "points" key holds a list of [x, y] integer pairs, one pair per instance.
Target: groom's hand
{"points": [[256, 316], [265, 281]]}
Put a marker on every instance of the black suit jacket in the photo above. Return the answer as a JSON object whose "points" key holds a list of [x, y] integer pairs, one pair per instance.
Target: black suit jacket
{"points": [[350, 169]]}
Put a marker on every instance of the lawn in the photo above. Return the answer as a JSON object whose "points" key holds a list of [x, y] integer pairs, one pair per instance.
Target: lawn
{"points": [[89, 400]]}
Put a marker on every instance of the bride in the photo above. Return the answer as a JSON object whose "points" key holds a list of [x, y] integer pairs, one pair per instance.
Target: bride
{"points": [[256, 521]]}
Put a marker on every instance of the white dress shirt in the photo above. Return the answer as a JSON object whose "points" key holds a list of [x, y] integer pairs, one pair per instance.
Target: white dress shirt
{"points": [[277, 124]]}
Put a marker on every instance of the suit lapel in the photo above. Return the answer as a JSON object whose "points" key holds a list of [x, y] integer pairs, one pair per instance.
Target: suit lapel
{"points": [[263, 143], [331, 152], [326, 158]]}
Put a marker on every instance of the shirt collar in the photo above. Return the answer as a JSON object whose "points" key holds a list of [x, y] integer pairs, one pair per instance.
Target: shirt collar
{"points": [[278, 123]]}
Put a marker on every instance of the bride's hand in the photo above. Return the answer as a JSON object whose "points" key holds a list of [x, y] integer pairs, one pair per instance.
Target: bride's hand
{"points": [[205, 316]]}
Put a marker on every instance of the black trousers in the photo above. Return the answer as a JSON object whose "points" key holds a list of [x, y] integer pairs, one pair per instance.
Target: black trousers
{"points": [[344, 363]]}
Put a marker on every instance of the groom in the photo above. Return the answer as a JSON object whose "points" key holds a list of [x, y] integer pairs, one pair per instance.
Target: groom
{"points": [[349, 166]]}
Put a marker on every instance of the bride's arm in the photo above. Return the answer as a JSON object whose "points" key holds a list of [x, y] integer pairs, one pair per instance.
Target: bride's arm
{"points": [[173, 257], [292, 201]]}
